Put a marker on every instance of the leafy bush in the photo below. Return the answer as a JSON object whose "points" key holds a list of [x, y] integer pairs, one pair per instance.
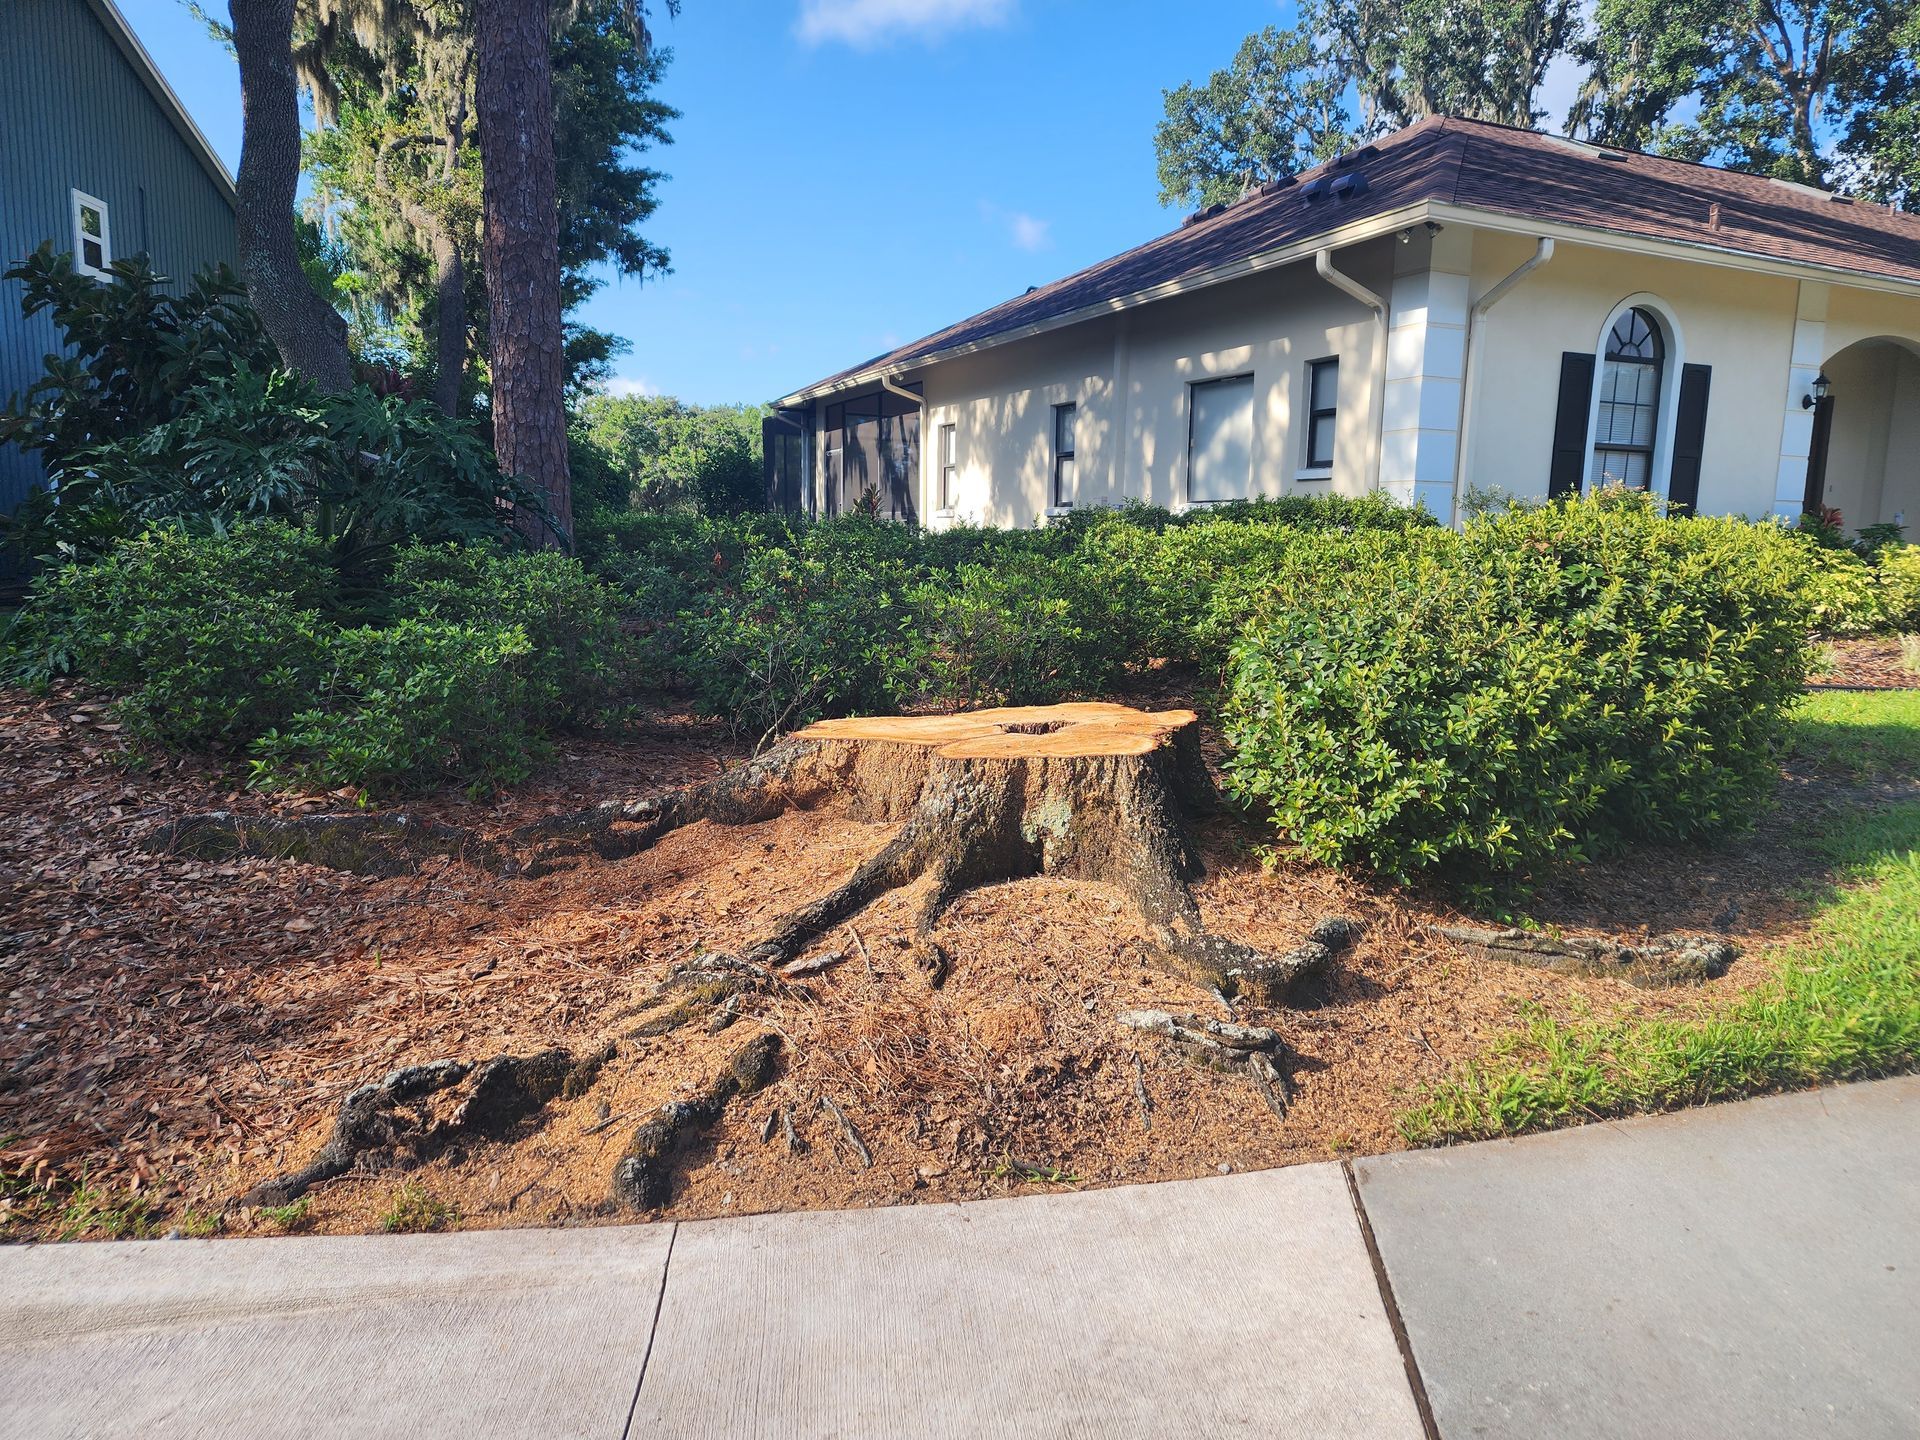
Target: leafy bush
{"points": [[668, 455], [234, 641], [823, 628], [1028, 630], [1898, 579], [174, 411], [1551, 682], [1839, 591], [580, 660], [211, 639], [420, 700]]}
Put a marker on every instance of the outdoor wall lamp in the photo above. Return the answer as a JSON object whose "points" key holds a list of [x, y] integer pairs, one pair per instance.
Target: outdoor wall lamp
{"points": [[1822, 387]]}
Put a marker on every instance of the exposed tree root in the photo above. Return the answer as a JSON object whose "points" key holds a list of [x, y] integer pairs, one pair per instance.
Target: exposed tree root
{"points": [[1250, 1050], [1655, 964], [1083, 792], [643, 1178], [391, 1122]]}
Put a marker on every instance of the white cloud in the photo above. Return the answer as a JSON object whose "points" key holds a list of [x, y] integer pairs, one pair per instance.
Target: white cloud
{"points": [[1029, 233], [868, 24], [623, 386]]}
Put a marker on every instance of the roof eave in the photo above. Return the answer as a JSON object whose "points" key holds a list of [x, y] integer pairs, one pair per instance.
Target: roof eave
{"points": [[1727, 256], [136, 55], [1359, 231]]}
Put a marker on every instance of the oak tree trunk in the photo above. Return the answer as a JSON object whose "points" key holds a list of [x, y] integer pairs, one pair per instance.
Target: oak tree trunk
{"points": [[521, 253], [310, 334]]}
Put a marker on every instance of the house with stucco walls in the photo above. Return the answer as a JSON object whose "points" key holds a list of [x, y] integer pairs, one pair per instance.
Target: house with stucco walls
{"points": [[1456, 306]]}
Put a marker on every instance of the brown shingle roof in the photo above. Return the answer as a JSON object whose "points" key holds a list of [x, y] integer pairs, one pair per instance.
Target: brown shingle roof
{"points": [[1479, 166]]}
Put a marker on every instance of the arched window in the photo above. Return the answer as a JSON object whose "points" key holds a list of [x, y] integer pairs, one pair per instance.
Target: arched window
{"points": [[1628, 419]]}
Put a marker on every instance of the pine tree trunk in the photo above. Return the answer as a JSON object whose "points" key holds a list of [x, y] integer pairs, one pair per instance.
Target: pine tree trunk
{"points": [[521, 252], [309, 333]]}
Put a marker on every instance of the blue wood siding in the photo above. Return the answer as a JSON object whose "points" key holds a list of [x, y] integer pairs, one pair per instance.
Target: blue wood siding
{"points": [[75, 115]]}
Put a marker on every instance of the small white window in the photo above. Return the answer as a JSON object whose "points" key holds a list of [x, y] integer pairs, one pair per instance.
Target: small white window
{"points": [[92, 236], [948, 467], [1064, 419], [1220, 441], [1323, 408]]}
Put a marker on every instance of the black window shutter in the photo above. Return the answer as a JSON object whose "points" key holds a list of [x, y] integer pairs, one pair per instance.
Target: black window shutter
{"points": [[1570, 423], [1689, 436]]}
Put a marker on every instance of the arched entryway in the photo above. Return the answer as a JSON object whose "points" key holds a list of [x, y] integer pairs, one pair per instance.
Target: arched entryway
{"points": [[1866, 447]]}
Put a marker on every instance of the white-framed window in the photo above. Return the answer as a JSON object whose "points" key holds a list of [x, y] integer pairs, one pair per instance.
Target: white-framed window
{"points": [[1220, 440], [92, 236], [1626, 422], [1323, 411], [949, 466], [1065, 419]]}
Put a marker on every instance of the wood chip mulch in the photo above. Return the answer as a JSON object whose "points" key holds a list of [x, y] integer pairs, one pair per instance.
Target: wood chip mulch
{"points": [[187, 1029], [1873, 663]]}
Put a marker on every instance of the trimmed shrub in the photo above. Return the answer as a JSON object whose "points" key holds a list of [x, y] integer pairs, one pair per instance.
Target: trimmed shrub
{"points": [[822, 629], [417, 701], [1028, 630], [210, 639], [1550, 683], [1839, 591], [1898, 579], [579, 661]]}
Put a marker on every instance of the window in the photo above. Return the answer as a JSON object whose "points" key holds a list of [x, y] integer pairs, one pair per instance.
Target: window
{"points": [[92, 236], [948, 478], [1323, 406], [1220, 440], [1628, 416], [1063, 423]]}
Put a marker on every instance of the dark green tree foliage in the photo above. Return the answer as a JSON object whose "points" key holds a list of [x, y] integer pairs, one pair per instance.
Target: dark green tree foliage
{"points": [[1279, 107], [396, 164], [1774, 79], [664, 454], [1824, 92], [1282, 104]]}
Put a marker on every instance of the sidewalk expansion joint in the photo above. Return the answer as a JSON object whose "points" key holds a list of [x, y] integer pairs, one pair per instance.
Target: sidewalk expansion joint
{"points": [[1414, 1382], [659, 1301]]}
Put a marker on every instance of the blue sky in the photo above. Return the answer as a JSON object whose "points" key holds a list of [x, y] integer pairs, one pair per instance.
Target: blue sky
{"points": [[850, 174]]}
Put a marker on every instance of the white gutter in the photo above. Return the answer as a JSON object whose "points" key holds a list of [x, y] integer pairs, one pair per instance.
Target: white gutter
{"points": [[1323, 263], [1542, 253], [886, 383], [1371, 227]]}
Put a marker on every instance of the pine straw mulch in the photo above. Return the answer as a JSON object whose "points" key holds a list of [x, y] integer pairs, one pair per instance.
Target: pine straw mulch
{"points": [[187, 1029], [1872, 663]]}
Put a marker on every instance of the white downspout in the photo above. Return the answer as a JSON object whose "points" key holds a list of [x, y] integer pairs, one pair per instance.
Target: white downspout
{"points": [[1542, 253], [1323, 263]]}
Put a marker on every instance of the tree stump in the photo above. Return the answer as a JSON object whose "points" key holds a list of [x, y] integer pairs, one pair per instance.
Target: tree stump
{"points": [[1090, 792]]}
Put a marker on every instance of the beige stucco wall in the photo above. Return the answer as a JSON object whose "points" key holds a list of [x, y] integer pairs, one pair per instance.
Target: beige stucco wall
{"points": [[1130, 376], [1739, 323]]}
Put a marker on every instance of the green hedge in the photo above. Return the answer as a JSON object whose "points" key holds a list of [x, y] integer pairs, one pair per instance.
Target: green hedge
{"points": [[241, 642], [1550, 683]]}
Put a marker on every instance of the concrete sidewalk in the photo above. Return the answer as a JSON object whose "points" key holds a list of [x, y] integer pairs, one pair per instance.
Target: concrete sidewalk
{"points": [[1747, 1270]]}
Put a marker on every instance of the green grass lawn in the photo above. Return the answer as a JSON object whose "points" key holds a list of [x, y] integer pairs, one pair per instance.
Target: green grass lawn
{"points": [[1870, 734], [1845, 1005]]}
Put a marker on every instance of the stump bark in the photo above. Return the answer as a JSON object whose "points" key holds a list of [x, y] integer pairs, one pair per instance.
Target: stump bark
{"points": [[1089, 792]]}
